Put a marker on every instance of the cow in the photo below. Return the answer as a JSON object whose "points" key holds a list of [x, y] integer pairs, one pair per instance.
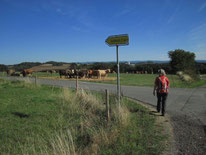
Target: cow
{"points": [[63, 73], [16, 74], [27, 72], [68, 73], [10, 72], [140, 72], [73, 73], [90, 73], [102, 73], [52, 71], [97, 73], [82, 73], [108, 71]]}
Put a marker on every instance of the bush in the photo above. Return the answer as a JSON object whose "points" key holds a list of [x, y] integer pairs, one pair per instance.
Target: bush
{"points": [[188, 76], [192, 74]]}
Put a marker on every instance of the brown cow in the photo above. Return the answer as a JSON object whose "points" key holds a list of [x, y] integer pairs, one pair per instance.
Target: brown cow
{"points": [[90, 73], [102, 73], [10, 72], [97, 73], [27, 72]]}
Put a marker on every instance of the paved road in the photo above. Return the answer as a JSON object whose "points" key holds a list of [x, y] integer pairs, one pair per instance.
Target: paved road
{"points": [[186, 107]]}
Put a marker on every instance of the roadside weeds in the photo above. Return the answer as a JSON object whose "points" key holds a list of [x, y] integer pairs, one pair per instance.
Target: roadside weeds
{"points": [[165, 123]]}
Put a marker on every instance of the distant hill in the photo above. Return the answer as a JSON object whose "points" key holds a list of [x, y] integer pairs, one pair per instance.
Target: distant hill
{"points": [[158, 61], [136, 61], [149, 61], [201, 61], [132, 62], [54, 63]]}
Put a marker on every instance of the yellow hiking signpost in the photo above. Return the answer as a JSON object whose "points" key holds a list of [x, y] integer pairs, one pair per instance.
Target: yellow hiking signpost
{"points": [[118, 40]]}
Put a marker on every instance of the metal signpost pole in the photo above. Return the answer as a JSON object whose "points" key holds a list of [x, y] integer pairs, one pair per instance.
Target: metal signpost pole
{"points": [[118, 40], [118, 81]]}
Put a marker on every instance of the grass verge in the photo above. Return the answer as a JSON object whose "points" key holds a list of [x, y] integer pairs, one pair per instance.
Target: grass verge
{"points": [[148, 80], [45, 74], [3, 74], [131, 79], [48, 120]]}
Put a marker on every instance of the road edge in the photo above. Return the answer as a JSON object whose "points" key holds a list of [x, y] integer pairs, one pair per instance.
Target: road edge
{"points": [[166, 124]]}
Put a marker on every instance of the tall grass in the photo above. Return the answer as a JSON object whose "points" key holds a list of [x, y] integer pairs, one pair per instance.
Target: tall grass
{"points": [[3, 74], [91, 129]]}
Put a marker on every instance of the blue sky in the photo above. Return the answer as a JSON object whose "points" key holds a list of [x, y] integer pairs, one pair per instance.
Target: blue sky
{"points": [[75, 30]]}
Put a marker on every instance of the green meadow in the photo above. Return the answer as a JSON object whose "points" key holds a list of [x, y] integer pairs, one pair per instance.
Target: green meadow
{"points": [[148, 80], [135, 79], [44, 120]]}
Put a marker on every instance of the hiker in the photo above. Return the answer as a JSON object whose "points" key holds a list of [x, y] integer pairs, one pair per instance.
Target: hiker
{"points": [[161, 87]]}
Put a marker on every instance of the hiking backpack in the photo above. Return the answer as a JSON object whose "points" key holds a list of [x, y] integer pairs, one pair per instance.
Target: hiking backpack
{"points": [[162, 87]]}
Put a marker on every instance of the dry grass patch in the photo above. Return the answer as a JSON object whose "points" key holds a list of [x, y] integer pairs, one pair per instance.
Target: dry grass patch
{"points": [[83, 79]]}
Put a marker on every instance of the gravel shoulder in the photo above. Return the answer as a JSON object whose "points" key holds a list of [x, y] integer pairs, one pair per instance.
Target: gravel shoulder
{"points": [[165, 123], [189, 134]]}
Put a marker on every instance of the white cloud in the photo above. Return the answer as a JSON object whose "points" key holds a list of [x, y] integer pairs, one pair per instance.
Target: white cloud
{"points": [[198, 33], [202, 7], [200, 55], [174, 14], [128, 8], [123, 12], [58, 10], [172, 17], [197, 37], [76, 28]]}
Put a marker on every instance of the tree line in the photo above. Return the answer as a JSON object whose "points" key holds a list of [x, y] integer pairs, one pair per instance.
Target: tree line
{"points": [[124, 68], [180, 60]]}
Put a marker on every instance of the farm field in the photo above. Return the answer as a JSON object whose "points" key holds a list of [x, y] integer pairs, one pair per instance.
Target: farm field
{"points": [[45, 74], [148, 80], [49, 120], [129, 79], [38, 74]]}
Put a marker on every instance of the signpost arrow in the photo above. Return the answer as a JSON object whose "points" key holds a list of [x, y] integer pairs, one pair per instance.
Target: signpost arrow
{"points": [[118, 40]]}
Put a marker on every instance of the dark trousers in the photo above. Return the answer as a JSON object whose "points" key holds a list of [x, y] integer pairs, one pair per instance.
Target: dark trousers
{"points": [[161, 102]]}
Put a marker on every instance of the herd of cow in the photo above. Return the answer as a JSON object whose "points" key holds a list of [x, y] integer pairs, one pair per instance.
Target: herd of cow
{"points": [[25, 72], [83, 73]]}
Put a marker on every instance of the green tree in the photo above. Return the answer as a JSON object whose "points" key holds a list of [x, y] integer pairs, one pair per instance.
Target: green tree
{"points": [[3, 68], [201, 68], [182, 60], [25, 65], [73, 66]]}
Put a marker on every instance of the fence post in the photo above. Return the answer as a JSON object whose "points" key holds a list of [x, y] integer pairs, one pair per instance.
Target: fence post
{"points": [[82, 127], [107, 104], [35, 80], [77, 84]]}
